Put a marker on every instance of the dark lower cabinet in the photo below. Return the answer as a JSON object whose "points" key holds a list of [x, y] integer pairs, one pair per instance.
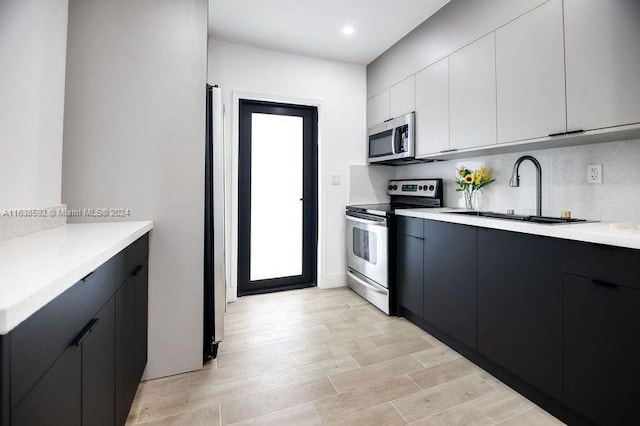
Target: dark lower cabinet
{"points": [[56, 397], [450, 263], [87, 349], [520, 306], [142, 318], [601, 350], [98, 369], [409, 281], [125, 377], [557, 320]]}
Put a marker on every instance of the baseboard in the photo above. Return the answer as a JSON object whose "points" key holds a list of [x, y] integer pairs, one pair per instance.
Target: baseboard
{"points": [[332, 281]]}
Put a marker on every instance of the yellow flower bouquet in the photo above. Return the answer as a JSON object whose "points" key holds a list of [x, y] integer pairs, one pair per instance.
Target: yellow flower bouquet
{"points": [[471, 181]]}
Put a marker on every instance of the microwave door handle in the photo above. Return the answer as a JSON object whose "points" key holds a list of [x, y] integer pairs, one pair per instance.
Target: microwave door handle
{"points": [[393, 141]]}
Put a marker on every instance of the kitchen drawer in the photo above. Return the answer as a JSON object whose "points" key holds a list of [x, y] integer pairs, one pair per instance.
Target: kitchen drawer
{"points": [[615, 265], [39, 340], [135, 256], [411, 226]]}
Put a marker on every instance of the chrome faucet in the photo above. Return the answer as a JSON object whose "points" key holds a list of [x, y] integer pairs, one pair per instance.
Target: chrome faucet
{"points": [[515, 179]]}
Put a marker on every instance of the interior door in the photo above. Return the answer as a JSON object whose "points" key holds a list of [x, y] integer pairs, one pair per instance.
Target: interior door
{"points": [[277, 204]]}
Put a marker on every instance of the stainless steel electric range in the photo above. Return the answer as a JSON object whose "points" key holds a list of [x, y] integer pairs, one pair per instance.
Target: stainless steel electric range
{"points": [[371, 236]]}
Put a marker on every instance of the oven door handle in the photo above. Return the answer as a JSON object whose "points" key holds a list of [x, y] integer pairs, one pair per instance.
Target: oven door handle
{"points": [[381, 222], [365, 284]]}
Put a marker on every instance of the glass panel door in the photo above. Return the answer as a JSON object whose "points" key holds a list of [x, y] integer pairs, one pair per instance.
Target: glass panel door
{"points": [[277, 197]]}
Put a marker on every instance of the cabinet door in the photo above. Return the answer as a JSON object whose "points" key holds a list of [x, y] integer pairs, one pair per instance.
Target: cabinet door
{"points": [[603, 63], [378, 108], [56, 397], [432, 109], [530, 75], [142, 313], [472, 94], [450, 279], [520, 306], [98, 370], [126, 377], [409, 263], [402, 97], [601, 350]]}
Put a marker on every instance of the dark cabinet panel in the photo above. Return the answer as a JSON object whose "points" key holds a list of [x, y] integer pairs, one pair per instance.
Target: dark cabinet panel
{"points": [[98, 369], [450, 263], [601, 350], [126, 378], [4, 381], [56, 397], [410, 226], [410, 278], [142, 315], [520, 306], [606, 263]]}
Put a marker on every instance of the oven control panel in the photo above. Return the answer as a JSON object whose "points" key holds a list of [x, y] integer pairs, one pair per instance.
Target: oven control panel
{"points": [[429, 188]]}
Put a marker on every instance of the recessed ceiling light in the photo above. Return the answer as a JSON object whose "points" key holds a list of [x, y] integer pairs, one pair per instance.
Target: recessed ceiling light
{"points": [[348, 30]]}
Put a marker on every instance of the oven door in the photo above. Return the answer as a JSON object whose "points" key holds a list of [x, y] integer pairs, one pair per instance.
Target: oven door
{"points": [[367, 251]]}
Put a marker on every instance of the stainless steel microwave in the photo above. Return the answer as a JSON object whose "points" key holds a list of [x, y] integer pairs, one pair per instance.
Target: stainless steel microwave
{"points": [[392, 142]]}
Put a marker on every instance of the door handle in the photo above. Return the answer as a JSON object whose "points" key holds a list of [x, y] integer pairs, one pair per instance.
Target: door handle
{"points": [[85, 332], [137, 270], [381, 222], [604, 283], [86, 277], [365, 284]]}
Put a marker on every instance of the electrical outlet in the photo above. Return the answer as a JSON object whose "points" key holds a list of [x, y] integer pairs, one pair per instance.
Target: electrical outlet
{"points": [[594, 173], [336, 180]]}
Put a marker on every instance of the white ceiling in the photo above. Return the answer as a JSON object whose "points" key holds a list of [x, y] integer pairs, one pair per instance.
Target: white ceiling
{"points": [[314, 27]]}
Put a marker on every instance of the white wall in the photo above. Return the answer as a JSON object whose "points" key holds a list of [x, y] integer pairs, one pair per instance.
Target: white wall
{"points": [[134, 138], [564, 181], [33, 44], [339, 91]]}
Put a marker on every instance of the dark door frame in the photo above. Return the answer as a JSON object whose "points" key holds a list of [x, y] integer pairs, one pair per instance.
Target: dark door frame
{"points": [[308, 278]]}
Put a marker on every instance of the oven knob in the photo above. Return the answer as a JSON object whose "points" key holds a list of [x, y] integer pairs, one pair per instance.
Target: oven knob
{"points": [[431, 188], [395, 187], [390, 187]]}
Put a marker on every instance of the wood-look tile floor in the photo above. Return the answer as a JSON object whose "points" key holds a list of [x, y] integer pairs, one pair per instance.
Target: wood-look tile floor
{"points": [[309, 357]]}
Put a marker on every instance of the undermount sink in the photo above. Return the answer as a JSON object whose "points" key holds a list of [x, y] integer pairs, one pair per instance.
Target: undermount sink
{"points": [[522, 218]]}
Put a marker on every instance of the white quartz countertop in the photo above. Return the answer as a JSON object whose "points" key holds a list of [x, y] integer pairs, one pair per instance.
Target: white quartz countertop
{"points": [[36, 268], [613, 234]]}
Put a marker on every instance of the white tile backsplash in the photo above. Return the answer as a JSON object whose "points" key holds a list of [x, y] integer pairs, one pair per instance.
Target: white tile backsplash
{"points": [[564, 181], [368, 184]]}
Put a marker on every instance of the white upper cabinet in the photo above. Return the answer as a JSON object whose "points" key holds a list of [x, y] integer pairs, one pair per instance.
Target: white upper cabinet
{"points": [[402, 97], [378, 108], [530, 75], [472, 94], [432, 109], [603, 63]]}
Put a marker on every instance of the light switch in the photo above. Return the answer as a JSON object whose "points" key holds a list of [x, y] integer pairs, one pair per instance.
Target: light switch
{"points": [[336, 180]]}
